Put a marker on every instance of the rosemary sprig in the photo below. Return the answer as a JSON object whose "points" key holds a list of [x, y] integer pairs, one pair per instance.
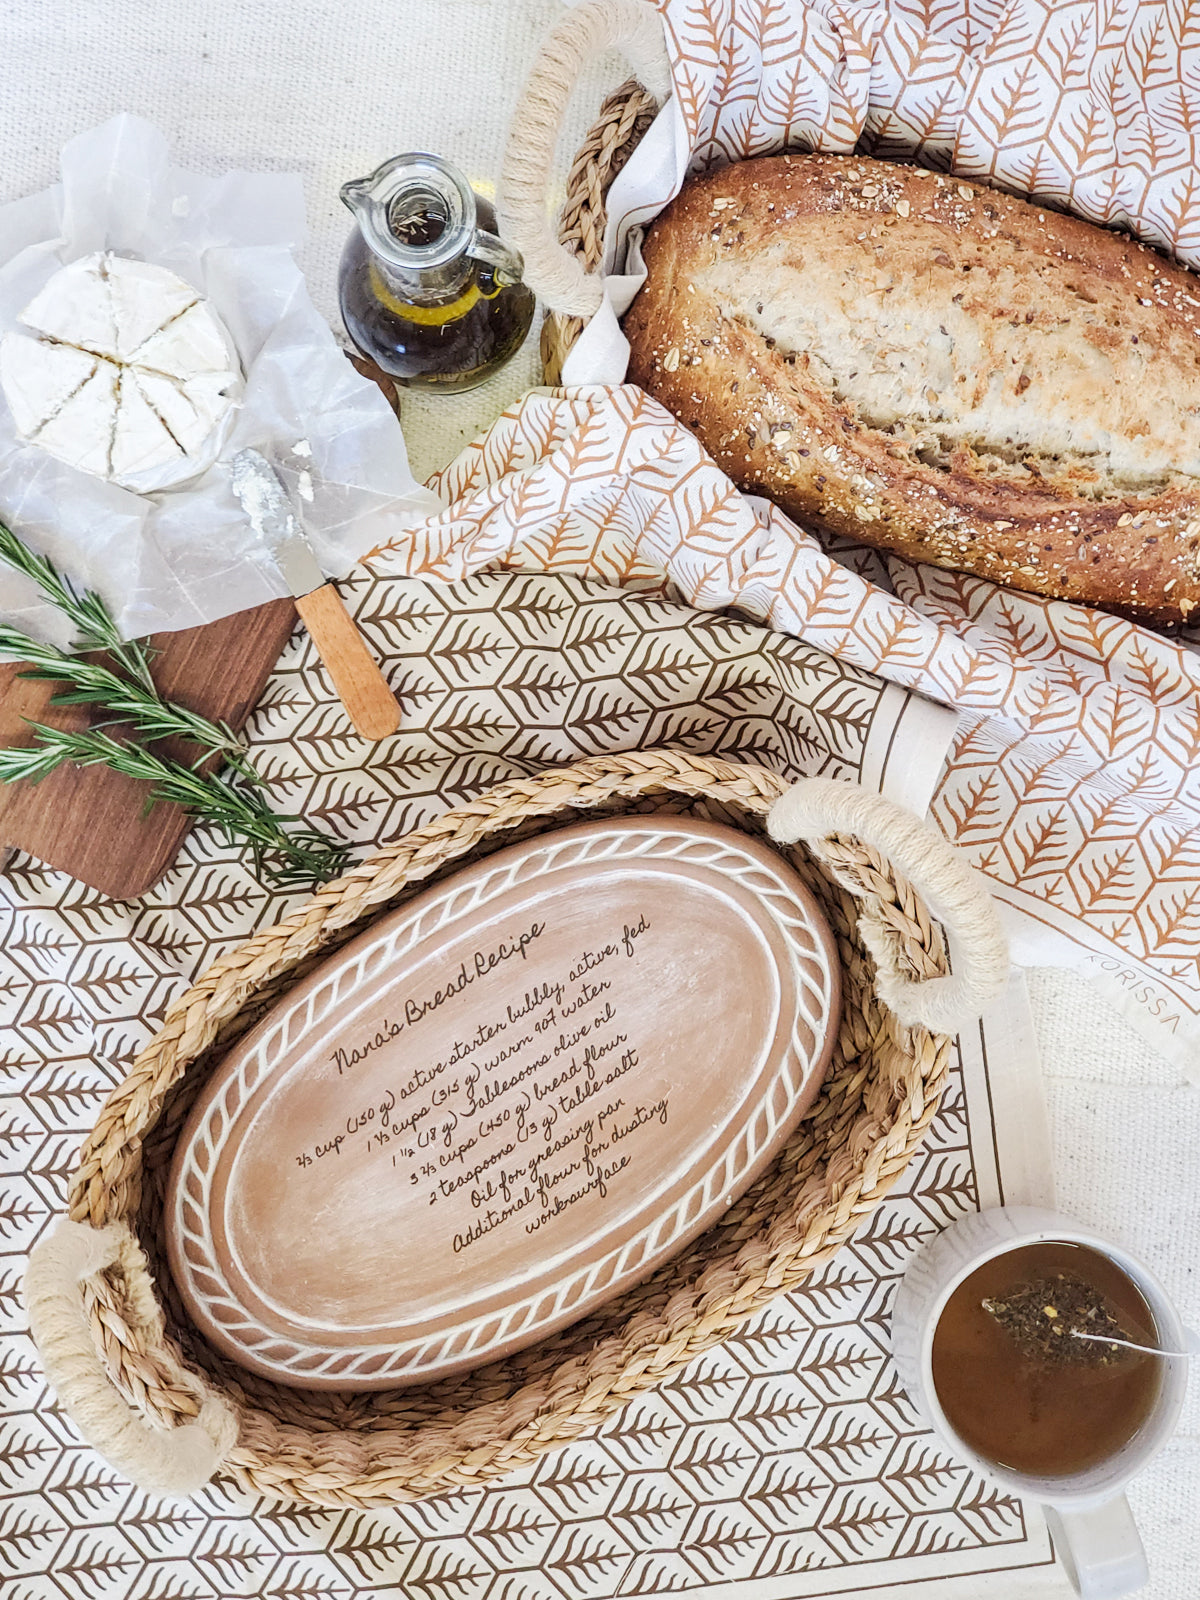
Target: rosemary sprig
{"points": [[127, 692], [242, 815], [94, 625], [90, 683]]}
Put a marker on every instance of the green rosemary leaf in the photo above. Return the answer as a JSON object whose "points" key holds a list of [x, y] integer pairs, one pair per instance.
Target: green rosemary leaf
{"points": [[30, 762], [288, 856], [92, 683], [94, 626]]}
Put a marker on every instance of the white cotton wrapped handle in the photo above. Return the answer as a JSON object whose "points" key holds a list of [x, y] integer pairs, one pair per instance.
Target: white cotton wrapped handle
{"points": [[816, 808], [173, 1462], [633, 27]]}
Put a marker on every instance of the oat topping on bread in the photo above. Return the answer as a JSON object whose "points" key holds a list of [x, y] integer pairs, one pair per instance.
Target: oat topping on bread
{"points": [[939, 369]]}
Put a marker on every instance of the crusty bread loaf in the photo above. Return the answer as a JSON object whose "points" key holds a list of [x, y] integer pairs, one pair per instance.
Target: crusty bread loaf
{"points": [[939, 369]]}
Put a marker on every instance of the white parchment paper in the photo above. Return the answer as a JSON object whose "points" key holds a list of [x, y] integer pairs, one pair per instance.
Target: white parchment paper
{"points": [[186, 555]]}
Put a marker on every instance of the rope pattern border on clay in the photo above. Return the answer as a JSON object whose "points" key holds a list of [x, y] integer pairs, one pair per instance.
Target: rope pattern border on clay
{"points": [[400, 1361]]}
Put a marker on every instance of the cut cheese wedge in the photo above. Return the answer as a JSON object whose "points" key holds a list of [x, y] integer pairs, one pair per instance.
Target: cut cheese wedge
{"points": [[39, 377], [81, 430], [75, 307], [142, 442], [144, 299], [191, 343], [168, 401]]}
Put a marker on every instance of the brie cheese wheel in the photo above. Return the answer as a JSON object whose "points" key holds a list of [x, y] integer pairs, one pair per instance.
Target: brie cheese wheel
{"points": [[127, 373]]}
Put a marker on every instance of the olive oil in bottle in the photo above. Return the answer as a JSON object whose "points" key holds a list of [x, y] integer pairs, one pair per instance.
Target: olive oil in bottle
{"points": [[427, 290]]}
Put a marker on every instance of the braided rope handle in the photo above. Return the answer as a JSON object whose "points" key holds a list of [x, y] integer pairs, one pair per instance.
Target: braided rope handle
{"points": [[171, 1462], [819, 811], [624, 117], [635, 28]]}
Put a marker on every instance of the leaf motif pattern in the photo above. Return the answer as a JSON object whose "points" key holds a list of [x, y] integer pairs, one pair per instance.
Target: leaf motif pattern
{"points": [[1089, 105], [602, 529], [787, 1451], [1071, 720]]}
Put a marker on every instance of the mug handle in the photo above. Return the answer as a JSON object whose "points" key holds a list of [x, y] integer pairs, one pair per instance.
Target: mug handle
{"points": [[1100, 1548]]}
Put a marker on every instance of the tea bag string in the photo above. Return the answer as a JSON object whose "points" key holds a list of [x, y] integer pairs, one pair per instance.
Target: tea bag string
{"points": [[1128, 1344], [1044, 1307]]}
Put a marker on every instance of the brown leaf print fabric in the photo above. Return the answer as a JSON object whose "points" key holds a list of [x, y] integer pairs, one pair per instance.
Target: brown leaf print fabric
{"points": [[791, 1454], [1073, 781], [1091, 105]]}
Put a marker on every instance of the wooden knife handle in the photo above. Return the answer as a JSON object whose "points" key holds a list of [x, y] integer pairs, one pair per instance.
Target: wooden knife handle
{"points": [[363, 689]]}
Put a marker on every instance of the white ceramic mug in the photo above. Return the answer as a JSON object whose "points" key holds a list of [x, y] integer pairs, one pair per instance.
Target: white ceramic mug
{"points": [[1087, 1513]]}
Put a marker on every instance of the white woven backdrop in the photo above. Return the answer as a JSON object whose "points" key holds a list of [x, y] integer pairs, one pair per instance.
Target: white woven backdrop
{"points": [[329, 90]]}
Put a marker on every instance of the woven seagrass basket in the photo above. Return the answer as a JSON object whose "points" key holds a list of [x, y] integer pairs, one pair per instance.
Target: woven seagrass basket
{"points": [[168, 1411], [624, 117]]}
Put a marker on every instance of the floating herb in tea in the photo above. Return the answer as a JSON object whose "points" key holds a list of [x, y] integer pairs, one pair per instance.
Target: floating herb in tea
{"points": [[1047, 1316]]}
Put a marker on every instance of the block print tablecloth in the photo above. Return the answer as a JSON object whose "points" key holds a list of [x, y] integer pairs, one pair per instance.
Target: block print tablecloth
{"points": [[786, 1463]]}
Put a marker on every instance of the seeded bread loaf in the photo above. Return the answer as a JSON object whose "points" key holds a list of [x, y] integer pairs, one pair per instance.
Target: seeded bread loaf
{"points": [[938, 369]]}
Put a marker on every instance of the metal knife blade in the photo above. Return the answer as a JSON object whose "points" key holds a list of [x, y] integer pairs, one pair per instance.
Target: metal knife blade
{"points": [[265, 502]]}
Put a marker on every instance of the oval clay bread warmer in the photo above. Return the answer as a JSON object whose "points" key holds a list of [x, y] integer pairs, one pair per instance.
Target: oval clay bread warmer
{"points": [[505, 1103]]}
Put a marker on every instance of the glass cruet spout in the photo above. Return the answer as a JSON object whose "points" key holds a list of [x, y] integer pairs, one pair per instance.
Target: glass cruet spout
{"points": [[428, 290]]}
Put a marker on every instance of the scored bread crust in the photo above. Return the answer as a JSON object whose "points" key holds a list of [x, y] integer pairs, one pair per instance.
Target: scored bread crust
{"points": [[748, 261]]}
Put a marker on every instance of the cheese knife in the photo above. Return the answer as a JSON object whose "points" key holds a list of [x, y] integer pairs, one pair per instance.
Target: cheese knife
{"points": [[361, 686]]}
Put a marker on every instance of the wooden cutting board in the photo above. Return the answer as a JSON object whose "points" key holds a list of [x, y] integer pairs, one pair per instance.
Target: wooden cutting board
{"points": [[92, 822]]}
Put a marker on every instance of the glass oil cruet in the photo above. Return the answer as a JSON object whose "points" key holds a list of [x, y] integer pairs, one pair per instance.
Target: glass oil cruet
{"points": [[427, 290]]}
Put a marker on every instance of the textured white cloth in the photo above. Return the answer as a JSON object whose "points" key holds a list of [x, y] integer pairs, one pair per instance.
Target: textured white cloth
{"points": [[329, 90]]}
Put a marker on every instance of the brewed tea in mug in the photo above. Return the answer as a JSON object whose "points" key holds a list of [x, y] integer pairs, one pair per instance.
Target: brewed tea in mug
{"points": [[974, 1340], [1016, 1384]]}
